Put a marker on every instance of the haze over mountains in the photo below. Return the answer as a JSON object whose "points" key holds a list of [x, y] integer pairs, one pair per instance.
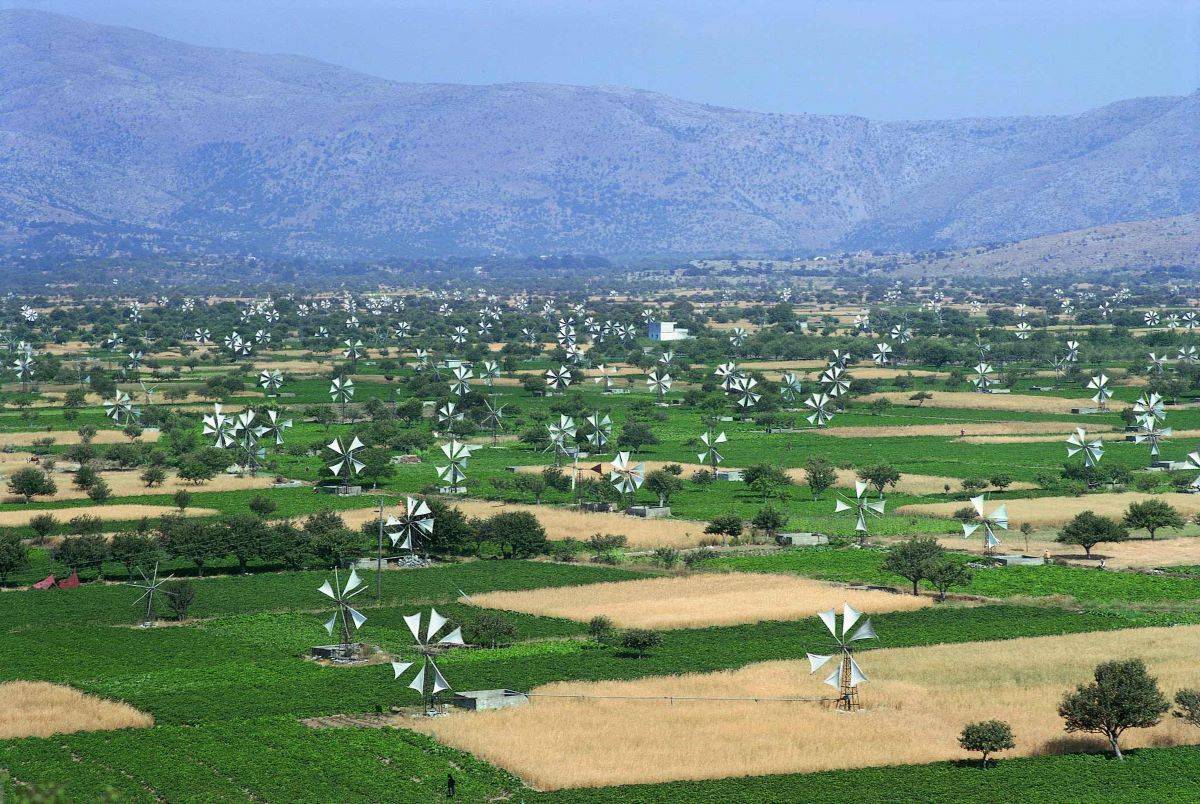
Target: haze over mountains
{"points": [[116, 140]]}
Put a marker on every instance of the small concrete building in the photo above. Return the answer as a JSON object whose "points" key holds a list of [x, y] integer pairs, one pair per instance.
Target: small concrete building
{"points": [[477, 700]]}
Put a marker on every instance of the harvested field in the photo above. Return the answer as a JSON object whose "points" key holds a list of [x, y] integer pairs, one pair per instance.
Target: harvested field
{"points": [[64, 437], [915, 705], [1140, 553], [1035, 439], [965, 428], [973, 401], [125, 484], [295, 366], [1050, 511], [696, 601], [39, 709], [115, 513], [561, 523]]}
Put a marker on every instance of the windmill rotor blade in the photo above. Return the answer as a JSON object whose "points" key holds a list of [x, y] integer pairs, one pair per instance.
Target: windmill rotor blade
{"points": [[978, 503], [413, 621], [865, 631], [834, 679], [455, 637], [857, 676], [969, 528], [876, 505], [439, 681], [830, 620], [329, 626], [357, 617], [816, 661], [859, 488], [327, 590], [398, 668], [849, 617], [1000, 517], [353, 582], [436, 621], [418, 682], [840, 506]]}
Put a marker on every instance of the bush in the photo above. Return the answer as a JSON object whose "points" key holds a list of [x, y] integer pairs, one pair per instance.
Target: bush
{"points": [[100, 491], [43, 525], [519, 534], [31, 482], [639, 641], [987, 737], [14, 555], [179, 596], [489, 628], [668, 557], [600, 628], [726, 525], [1188, 703]]}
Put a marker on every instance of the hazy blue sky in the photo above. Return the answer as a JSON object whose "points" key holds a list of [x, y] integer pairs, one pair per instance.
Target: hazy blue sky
{"points": [[900, 59]]}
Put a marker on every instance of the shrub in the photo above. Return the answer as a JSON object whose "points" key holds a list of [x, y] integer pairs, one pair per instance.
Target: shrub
{"points": [[100, 491], [14, 555], [640, 641], [666, 556], [726, 525], [179, 596], [489, 628], [600, 628], [31, 482], [43, 525], [1188, 703], [987, 737]]}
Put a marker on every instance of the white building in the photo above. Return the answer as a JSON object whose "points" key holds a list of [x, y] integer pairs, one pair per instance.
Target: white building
{"points": [[666, 331]]}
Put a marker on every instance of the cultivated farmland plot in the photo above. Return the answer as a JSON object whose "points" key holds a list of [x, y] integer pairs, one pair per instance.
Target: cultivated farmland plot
{"points": [[249, 542]]}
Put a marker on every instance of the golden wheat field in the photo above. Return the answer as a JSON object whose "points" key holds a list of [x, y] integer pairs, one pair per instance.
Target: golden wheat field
{"points": [[970, 400], [915, 704], [116, 512], [65, 437], [696, 601], [562, 523], [961, 429], [40, 709], [1049, 511], [1034, 439]]}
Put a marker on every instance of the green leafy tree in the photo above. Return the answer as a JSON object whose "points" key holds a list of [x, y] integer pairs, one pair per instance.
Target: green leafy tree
{"points": [[519, 534], [1122, 696], [489, 628], [77, 552], [132, 549], [31, 482], [100, 491], [915, 559], [331, 542], [820, 475], [1151, 515], [879, 477], [987, 737], [1187, 703], [43, 525], [948, 574], [182, 499], [664, 485], [1001, 481], [725, 525], [1089, 529], [767, 480], [635, 435], [770, 520], [153, 476], [195, 540], [180, 595], [262, 505], [640, 641], [14, 555]]}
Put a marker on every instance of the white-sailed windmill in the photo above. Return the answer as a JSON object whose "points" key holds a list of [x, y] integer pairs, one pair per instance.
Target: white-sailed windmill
{"points": [[121, 409], [600, 429], [605, 377], [342, 391], [345, 464], [790, 387], [1150, 405], [821, 405], [983, 377], [460, 381], [847, 675], [659, 381], [410, 530], [347, 617], [1099, 384], [455, 471], [560, 433], [627, 477], [273, 426], [883, 353], [996, 520], [151, 585], [558, 379], [710, 455], [429, 680], [1092, 450], [219, 426], [746, 397], [271, 380], [1150, 433], [493, 418], [862, 506]]}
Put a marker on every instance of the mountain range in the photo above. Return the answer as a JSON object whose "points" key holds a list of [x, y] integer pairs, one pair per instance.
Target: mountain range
{"points": [[116, 141]]}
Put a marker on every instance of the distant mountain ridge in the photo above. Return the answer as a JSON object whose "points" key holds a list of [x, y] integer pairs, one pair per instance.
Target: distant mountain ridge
{"points": [[113, 140]]}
